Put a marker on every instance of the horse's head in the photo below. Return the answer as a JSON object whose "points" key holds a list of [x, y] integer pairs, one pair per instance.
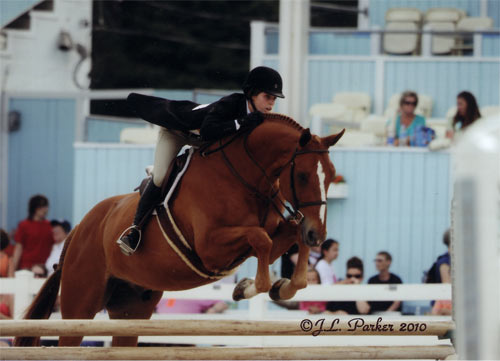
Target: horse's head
{"points": [[306, 170], [305, 183]]}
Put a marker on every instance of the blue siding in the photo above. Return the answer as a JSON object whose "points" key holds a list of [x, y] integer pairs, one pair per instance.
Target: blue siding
{"points": [[41, 157], [378, 8], [328, 43], [494, 12], [491, 45], [11, 9], [272, 42], [102, 171], [444, 80], [398, 201], [327, 77], [101, 131]]}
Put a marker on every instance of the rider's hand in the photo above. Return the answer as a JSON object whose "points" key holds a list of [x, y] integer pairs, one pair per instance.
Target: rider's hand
{"points": [[251, 120]]}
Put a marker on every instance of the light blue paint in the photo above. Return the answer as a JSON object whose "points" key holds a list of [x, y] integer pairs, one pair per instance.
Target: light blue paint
{"points": [[491, 45], [108, 131], [398, 201], [105, 171], [174, 94], [272, 42], [41, 157], [329, 43], [11, 9], [378, 8], [494, 12], [327, 77]]}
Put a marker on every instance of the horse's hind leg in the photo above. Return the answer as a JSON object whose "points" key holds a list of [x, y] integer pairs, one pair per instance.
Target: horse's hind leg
{"points": [[128, 301]]}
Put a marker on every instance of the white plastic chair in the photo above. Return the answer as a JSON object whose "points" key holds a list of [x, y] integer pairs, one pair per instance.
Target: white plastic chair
{"points": [[403, 14], [443, 44], [464, 41], [358, 105], [147, 135], [490, 110], [444, 15], [405, 43]]}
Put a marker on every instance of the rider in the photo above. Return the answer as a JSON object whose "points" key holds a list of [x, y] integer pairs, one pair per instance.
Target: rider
{"points": [[216, 120]]}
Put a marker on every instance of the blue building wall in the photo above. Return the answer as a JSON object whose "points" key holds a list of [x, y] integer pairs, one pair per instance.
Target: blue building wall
{"points": [[10, 9], [398, 201], [41, 157], [108, 131]]}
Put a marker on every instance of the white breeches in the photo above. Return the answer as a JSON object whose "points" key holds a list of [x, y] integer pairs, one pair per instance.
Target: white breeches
{"points": [[167, 147]]}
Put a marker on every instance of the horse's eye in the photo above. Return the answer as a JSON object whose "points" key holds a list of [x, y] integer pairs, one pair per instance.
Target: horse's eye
{"points": [[303, 178]]}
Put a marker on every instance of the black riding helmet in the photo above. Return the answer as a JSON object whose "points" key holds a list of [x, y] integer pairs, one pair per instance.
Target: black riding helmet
{"points": [[263, 79]]}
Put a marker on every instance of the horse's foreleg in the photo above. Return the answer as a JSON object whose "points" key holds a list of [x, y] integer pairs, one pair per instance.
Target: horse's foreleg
{"points": [[260, 241], [285, 289]]}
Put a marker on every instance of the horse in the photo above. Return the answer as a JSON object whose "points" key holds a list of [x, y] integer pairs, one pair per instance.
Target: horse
{"points": [[229, 206]]}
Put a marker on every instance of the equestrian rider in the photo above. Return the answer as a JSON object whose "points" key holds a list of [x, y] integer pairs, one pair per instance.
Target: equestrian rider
{"points": [[214, 121]]}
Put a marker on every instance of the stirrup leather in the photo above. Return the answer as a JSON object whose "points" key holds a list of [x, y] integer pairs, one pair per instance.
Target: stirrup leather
{"points": [[125, 248]]}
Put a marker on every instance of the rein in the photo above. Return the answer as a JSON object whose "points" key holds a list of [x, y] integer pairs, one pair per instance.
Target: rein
{"points": [[297, 216]]}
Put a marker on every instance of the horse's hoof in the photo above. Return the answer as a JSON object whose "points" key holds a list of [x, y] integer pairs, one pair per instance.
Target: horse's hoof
{"points": [[239, 290], [274, 293]]}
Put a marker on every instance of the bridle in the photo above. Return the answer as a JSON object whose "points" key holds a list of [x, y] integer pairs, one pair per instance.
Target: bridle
{"points": [[295, 215]]}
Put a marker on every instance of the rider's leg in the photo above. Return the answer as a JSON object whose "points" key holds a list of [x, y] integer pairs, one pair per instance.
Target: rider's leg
{"points": [[167, 147]]}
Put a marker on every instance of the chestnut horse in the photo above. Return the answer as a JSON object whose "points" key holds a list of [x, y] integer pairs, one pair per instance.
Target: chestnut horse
{"points": [[225, 209]]}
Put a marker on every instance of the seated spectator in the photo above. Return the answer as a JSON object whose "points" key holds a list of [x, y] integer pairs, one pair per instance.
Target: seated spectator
{"points": [[33, 235], [443, 271], [314, 255], [329, 253], [467, 113], [60, 230], [407, 122], [6, 268], [39, 270], [313, 307], [383, 263], [354, 276], [442, 308]]}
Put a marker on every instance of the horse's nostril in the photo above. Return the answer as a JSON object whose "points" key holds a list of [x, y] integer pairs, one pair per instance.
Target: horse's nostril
{"points": [[311, 235]]}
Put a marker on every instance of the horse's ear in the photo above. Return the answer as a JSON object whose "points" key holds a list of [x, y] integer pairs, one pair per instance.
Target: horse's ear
{"points": [[333, 139], [305, 137]]}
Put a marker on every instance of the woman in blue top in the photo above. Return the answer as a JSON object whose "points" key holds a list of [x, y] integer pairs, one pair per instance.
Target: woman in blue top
{"points": [[407, 122]]}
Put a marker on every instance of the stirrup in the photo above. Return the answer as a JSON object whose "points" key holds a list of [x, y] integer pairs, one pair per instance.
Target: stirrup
{"points": [[125, 248]]}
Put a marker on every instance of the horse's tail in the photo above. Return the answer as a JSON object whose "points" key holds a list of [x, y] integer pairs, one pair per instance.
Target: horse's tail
{"points": [[43, 304]]}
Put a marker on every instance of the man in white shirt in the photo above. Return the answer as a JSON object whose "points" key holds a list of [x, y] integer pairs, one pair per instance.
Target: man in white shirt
{"points": [[60, 230]]}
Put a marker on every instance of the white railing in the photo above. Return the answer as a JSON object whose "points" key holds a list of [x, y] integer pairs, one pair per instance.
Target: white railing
{"points": [[24, 286]]}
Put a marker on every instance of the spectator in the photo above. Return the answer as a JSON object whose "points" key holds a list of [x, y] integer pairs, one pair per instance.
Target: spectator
{"points": [[172, 305], [314, 255], [33, 235], [354, 276], [329, 253], [383, 263], [443, 274], [467, 113], [6, 269], [407, 122], [313, 307], [39, 270], [60, 230], [289, 260]]}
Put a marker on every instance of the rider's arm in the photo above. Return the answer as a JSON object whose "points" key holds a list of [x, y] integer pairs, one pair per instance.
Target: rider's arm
{"points": [[221, 120]]}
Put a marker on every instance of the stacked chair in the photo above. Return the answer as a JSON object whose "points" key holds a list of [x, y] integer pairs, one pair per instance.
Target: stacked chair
{"points": [[402, 19], [443, 19]]}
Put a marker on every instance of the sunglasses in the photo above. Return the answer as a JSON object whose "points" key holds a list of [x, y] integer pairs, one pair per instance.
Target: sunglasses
{"points": [[378, 260], [409, 103], [354, 276]]}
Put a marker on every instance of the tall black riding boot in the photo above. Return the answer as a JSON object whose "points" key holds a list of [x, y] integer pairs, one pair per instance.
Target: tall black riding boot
{"points": [[130, 239]]}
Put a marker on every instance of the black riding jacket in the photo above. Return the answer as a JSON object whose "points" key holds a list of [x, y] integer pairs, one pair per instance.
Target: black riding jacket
{"points": [[215, 120]]}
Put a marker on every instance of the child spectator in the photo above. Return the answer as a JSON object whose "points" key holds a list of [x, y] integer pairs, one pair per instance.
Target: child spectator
{"points": [[6, 269], [354, 276], [312, 307], [383, 263], [33, 235], [329, 253], [60, 230]]}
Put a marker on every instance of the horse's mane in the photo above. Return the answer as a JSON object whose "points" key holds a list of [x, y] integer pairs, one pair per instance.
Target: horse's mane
{"points": [[283, 119]]}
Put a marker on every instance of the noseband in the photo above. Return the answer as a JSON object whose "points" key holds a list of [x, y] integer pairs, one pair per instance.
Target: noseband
{"points": [[296, 216]]}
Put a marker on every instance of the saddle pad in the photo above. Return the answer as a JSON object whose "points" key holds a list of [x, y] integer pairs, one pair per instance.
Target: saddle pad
{"points": [[177, 180]]}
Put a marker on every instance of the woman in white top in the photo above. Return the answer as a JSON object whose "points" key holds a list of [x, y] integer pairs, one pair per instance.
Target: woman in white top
{"points": [[329, 253]]}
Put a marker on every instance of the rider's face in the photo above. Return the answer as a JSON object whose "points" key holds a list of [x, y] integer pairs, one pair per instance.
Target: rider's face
{"points": [[264, 102]]}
